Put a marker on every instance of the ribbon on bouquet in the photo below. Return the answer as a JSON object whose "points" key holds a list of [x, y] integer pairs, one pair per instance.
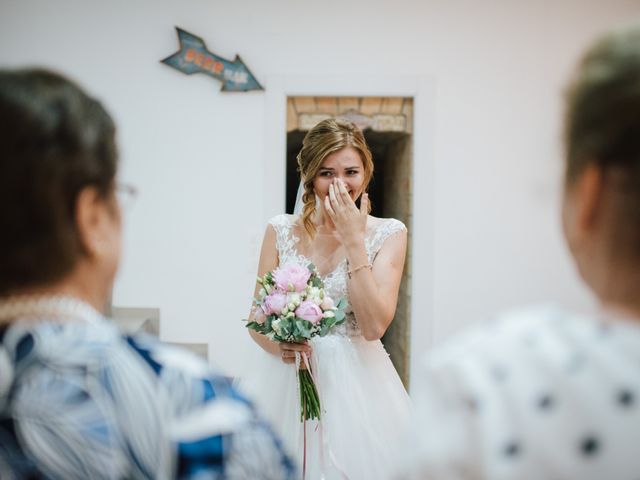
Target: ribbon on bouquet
{"points": [[302, 358]]}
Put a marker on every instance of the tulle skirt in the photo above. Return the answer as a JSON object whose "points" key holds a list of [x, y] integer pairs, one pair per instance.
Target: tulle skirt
{"points": [[365, 408]]}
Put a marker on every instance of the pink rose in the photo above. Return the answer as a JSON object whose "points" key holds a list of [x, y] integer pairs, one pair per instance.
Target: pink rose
{"points": [[259, 316], [291, 276], [274, 303], [309, 311]]}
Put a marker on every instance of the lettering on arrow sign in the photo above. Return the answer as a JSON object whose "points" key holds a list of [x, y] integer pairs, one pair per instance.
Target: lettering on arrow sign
{"points": [[193, 57]]}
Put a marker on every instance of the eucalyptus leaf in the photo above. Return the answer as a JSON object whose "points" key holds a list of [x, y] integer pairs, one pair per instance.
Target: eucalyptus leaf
{"points": [[342, 304], [303, 327]]}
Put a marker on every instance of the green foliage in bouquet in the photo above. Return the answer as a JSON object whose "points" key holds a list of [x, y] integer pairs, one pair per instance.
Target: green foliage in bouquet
{"points": [[292, 307]]}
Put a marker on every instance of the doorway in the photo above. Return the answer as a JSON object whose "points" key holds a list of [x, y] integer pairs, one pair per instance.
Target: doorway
{"points": [[387, 124]]}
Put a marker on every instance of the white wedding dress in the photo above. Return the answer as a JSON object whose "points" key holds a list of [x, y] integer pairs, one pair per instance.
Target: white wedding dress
{"points": [[365, 408]]}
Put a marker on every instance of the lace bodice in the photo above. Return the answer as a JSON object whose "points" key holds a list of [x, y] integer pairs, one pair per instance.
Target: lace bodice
{"points": [[335, 282]]}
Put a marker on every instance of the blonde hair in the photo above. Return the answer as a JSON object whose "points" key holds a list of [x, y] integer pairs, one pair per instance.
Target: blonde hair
{"points": [[327, 137]]}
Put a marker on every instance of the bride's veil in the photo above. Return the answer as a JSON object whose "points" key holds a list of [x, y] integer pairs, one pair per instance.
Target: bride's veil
{"points": [[297, 209], [299, 205]]}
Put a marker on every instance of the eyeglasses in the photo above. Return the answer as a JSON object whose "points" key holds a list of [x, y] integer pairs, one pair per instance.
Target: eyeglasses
{"points": [[126, 195]]}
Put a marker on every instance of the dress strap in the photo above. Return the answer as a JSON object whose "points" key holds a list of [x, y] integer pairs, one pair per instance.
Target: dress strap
{"points": [[387, 228], [285, 240]]}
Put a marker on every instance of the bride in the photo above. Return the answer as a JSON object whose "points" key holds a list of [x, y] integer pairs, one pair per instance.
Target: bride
{"points": [[360, 258]]}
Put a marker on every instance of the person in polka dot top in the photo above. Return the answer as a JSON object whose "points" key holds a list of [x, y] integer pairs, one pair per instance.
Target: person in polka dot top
{"points": [[545, 393]]}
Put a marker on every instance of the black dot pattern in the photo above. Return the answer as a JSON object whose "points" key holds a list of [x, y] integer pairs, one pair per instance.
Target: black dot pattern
{"points": [[472, 404], [512, 449], [563, 383], [546, 402], [626, 398], [589, 446]]}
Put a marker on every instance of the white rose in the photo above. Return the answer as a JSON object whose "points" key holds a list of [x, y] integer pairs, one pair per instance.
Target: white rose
{"points": [[329, 314], [295, 299], [315, 295], [276, 326], [327, 303]]}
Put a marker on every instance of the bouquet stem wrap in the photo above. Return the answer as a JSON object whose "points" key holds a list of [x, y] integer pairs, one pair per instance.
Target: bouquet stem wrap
{"points": [[292, 306], [309, 398], [309, 401], [307, 406]]}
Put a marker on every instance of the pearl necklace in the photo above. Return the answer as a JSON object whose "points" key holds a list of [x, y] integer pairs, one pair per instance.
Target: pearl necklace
{"points": [[61, 308]]}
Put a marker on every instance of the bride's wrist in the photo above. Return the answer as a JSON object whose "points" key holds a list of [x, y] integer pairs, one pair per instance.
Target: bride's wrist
{"points": [[357, 256], [355, 242]]}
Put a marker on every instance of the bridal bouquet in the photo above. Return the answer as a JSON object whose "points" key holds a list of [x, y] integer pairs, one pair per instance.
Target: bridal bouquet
{"points": [[293, 307]]}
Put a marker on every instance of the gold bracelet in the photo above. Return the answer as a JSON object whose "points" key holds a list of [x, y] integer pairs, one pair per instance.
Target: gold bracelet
{"points": [[365, 265]]}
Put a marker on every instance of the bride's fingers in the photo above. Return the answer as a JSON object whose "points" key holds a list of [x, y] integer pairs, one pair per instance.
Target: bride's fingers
{"points": [[329, 208], [340, 207], [335, 203], [336, 189], [292, 353], [344, 195], [290, 356], [294, 347], [364, 204]]}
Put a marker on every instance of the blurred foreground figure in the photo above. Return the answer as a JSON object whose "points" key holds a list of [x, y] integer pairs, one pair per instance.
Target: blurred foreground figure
{"points": [[546, 393], [78, 399]]}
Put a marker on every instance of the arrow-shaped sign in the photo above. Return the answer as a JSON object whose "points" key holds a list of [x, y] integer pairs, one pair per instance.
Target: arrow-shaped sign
{"points": [[194, 57]]}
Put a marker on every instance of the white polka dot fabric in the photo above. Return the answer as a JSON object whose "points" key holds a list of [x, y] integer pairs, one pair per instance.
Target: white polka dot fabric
{"points": [[537, 394]]}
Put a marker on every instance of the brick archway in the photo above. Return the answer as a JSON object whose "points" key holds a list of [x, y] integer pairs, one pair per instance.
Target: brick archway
{"points": [[387, 123]]}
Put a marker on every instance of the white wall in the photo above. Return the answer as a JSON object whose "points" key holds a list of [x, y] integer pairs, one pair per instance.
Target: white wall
{"points": [[488, 76]]}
